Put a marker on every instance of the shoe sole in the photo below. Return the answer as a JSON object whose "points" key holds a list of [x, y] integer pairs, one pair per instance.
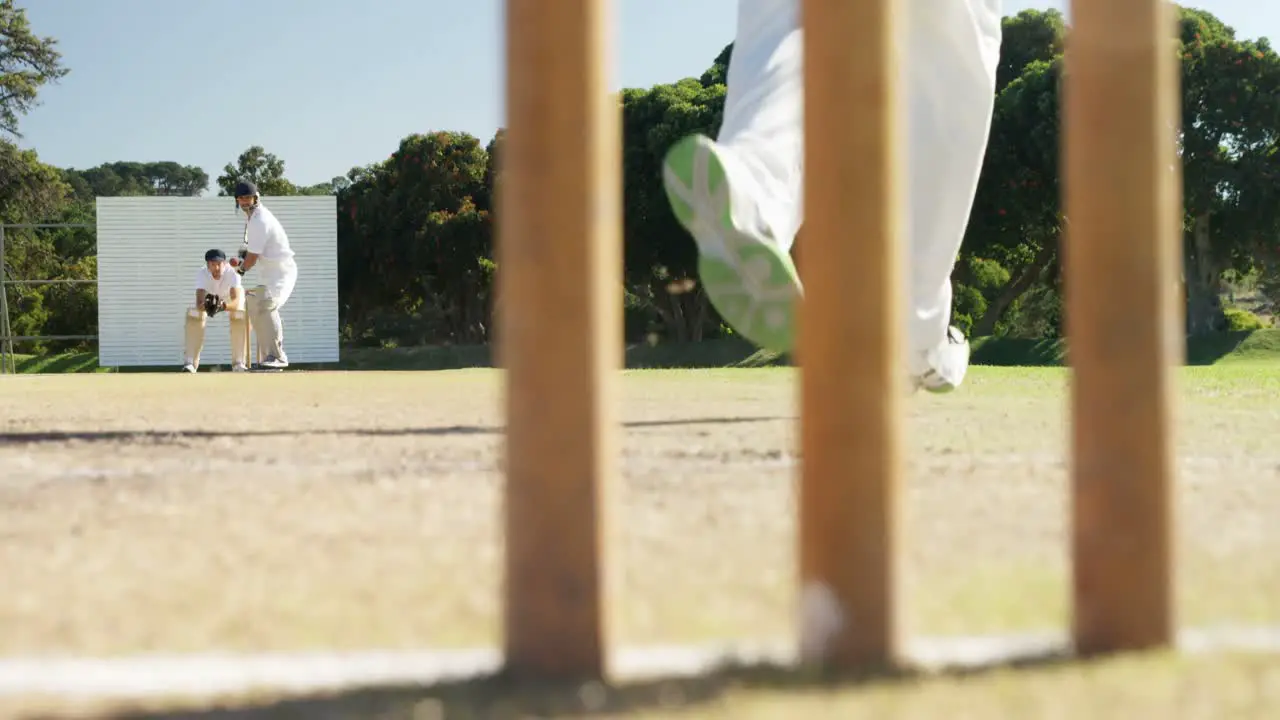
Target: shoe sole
{"points": [[750, 281], [941, 386]]}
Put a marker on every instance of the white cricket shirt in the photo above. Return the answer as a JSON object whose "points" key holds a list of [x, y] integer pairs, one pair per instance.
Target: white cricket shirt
{"points": [[267, 239], [217, 286]]}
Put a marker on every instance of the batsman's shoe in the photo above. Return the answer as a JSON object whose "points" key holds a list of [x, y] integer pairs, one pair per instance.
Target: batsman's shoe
{"points": [[275, 363], [749, 279], [948, 363], [239, 367]]}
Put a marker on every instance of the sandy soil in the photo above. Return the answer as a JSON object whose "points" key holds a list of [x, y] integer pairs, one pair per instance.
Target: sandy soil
{"points": [[143, 513]]}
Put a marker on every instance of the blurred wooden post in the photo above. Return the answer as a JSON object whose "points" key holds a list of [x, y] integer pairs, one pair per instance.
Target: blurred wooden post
{"points": [[853, 365], [559, 270], [1122, 250]]}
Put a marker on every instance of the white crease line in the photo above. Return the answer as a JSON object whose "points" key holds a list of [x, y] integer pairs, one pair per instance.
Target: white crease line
{"points": [[156, 675], [219, 674]]}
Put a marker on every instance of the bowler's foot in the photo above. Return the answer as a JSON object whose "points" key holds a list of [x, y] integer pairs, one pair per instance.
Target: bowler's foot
{"points": [[749, 279], [948, 363]]}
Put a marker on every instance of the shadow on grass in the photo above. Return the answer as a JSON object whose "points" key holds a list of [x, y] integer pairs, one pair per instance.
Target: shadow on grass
{"points": [[74, 362], [500, 698], [35, 437], [1208, 349], [1252, 345], [715, 353]]}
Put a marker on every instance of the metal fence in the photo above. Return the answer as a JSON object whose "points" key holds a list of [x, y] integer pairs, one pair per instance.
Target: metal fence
{"points": [[8, 358]]}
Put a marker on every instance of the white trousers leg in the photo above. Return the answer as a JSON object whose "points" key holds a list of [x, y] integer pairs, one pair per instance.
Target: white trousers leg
{"points": [[764, 110], [264, 313], [951, 51]]}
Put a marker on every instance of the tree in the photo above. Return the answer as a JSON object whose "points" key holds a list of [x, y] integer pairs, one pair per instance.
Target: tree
{"points": [[415, 246], [260, 167], [30, 192], [1230, 146], [1016, 217], [27, 63], [1011, 239], [718, 73], [334, 186], [1230, 156], [1028, 37], [493, 171], [660, 259], [123, 178]]}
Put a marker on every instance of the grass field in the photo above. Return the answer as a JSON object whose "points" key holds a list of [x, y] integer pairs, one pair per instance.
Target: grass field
{"points": [[145, 513], [1246, 346]]}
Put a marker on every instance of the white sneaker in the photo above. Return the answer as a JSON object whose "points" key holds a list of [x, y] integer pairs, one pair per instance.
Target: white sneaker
{"points": [[275, 363], [239, 367], [948, 363], [189, 368], [749, 279]]}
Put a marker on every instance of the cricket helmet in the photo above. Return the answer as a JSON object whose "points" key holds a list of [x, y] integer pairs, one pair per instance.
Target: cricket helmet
{"points": [[246, 188]]}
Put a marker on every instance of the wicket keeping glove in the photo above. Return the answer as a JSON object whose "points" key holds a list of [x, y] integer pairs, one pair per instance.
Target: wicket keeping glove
{"points": [[213, 305]]}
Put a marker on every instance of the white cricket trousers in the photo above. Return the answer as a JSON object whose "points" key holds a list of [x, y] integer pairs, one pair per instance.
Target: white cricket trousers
{"points": [[950, 55]]}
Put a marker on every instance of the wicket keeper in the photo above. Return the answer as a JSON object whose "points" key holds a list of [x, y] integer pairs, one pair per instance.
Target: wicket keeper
{"points": [[218, 289]]}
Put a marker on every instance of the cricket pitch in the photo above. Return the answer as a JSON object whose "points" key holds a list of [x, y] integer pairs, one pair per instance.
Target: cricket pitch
{"points": [[146, 513]]}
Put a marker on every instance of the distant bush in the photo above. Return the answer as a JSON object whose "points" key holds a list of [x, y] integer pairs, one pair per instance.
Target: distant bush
{"points": [[1240, 320]]}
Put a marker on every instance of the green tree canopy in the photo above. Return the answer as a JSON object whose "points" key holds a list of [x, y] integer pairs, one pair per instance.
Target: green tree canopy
{"points": [[27, 63], [415, 245], [137, 178], [259, 167]]}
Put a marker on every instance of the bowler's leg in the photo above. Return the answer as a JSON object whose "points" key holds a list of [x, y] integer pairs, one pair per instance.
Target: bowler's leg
{"points": [[739, 196], [194, 339], [952, 50], [763, 122]]}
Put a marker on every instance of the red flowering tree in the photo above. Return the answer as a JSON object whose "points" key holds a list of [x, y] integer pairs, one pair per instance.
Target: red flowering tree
{"points": [[1011, 242], [415, 244], [1230, 148], [1231, 160]]}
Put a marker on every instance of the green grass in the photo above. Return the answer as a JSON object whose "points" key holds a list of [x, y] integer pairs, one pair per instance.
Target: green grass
{"points": [[1250, 347], [1227, 347], [709, 354], [73, 362]]}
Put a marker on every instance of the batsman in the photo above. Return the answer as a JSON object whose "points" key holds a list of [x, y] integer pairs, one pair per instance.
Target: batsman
{"points": [[266, 247], [218, 289]]}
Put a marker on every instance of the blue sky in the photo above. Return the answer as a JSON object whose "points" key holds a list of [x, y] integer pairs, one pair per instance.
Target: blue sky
{"points": [[328, 85]]}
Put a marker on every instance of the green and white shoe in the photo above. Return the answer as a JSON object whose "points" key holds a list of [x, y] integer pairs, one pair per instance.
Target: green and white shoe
{"points": [[749, 279]]}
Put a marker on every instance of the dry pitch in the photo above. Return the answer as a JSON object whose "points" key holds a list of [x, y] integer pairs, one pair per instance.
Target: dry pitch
{"points": [[169, 513]]}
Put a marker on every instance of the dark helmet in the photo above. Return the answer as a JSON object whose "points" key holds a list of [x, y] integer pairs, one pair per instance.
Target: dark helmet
{"points": [[246, 187], [215, 255]]}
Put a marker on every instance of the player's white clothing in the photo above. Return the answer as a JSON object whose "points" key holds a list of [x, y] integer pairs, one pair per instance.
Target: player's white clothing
{"points": [[278, 271], [237, 317], [951, 49], [220, 286], [265, 237]]}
